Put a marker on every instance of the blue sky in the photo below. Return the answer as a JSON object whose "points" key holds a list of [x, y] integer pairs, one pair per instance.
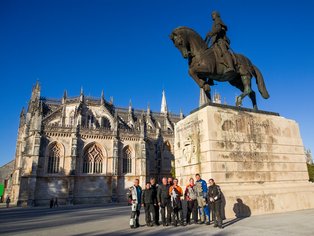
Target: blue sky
{"points": [[123, 47]]}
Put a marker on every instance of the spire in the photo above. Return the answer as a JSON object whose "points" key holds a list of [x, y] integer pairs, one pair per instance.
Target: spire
{"points": [[203, 98], [37, 86], [142, 116], [22, 117], [148, 109], [163, 108], [130, 116], [111, 100], [65, 95], [181, 114], [35, 98], [82, 95], [36, 91], [102, 99], [130, 106]]}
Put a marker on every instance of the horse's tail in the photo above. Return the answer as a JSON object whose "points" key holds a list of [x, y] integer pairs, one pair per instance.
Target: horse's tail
{"points": [[260, 82]]}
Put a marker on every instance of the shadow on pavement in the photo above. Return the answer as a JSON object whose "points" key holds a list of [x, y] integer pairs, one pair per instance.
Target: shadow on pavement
{"points": [[17, 220], [231, 222], [188, 230]]}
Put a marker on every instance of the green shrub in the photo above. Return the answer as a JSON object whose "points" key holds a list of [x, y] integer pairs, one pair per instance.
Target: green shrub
{"points": [[310, 168]]}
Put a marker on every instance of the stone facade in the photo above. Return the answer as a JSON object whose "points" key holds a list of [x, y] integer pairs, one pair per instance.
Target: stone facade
{"points": [[258, 159], [86, 150]]}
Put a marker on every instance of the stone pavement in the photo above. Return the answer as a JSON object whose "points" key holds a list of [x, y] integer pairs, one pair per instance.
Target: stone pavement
{"points": [[114, 219]]}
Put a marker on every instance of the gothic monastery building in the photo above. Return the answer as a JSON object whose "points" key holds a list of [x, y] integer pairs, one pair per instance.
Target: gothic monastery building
{"points": [[87, 150]]}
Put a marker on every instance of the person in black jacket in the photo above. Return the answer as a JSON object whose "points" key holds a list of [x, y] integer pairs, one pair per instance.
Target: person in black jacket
{"points": [[154, 186], [164, 202], [214, 196], [51, 202], [148, 201]]}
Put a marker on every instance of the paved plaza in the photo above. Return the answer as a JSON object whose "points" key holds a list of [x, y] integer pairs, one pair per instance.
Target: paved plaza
{"points": [[114, 220]]}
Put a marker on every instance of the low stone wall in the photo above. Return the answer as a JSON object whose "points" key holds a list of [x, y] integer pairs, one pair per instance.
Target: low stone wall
{"points": [[84, 189]]}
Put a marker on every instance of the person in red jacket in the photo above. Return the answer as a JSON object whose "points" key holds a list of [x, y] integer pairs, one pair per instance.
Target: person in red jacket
{"points": [[176, 192]]}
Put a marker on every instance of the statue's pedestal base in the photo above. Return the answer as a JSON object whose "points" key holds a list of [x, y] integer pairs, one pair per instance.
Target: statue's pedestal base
{"points": [[258, 159]]}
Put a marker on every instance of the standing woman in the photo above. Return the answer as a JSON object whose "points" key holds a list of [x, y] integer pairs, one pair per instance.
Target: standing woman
{"points": [[191, 202]]}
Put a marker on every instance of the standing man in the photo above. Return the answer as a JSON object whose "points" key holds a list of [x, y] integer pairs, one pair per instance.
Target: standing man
{"points": [[164, 201], [51, 203], [55, 203], [191, 202], [170, 183], [154, 187], [214, 196], [176, 193], [148, 202], [135, 194], [218, 38], [7, 201], [201, 196]]}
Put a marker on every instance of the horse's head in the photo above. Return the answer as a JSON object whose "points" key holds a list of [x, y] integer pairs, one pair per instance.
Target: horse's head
{"points": [[187, 41], [178, 38]]}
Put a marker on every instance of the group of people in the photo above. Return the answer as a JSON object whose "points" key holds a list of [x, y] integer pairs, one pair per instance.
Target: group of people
{"points": [[167, 197]]}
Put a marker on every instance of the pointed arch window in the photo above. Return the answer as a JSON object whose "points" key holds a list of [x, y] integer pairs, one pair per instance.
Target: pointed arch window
{"points": [[93, 160], [127, 160], [54, 156]]}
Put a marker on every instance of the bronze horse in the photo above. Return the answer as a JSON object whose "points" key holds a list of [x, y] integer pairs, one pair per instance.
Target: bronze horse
{"points": [[206, 66]]}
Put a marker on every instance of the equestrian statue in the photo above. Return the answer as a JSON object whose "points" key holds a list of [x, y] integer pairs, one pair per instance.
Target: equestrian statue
{"points": [[217, 62]]}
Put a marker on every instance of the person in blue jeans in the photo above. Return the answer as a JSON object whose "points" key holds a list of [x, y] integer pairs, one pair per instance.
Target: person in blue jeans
{"points": [[201, 196]]}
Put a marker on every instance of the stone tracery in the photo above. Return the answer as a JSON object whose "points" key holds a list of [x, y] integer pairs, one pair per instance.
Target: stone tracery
{"points": [[54, 157], [93, 160]]}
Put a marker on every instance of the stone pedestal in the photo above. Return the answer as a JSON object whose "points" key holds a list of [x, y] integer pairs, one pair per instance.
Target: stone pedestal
{"points": [[258, 159]]}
